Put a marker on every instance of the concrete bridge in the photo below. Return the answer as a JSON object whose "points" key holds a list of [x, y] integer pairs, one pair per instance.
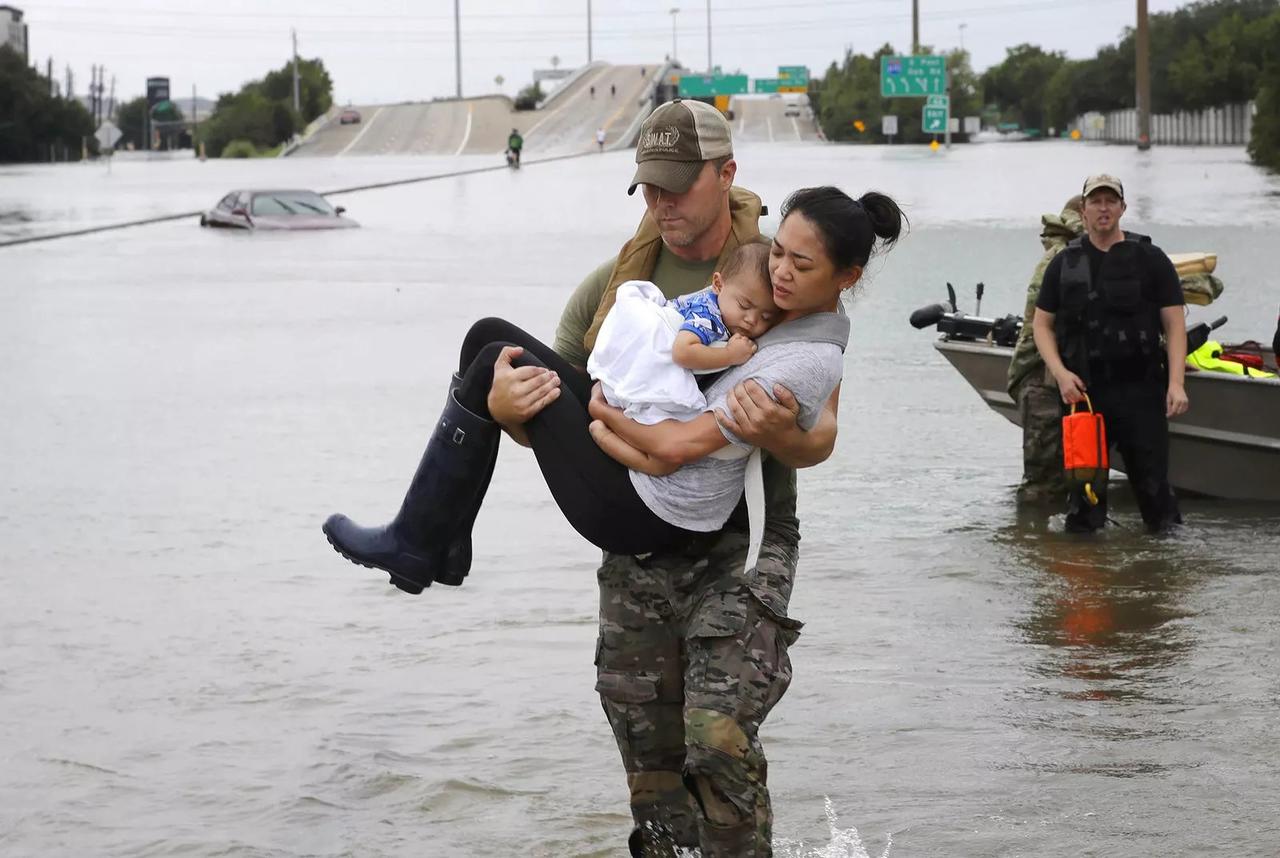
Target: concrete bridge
{"points": [[615, 98]]}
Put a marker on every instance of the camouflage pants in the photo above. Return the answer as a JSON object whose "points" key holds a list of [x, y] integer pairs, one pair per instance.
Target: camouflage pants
{"points": [[1040, 408], [690, 660]]}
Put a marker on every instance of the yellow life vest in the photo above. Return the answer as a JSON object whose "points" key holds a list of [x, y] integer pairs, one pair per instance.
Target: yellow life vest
{"points": [[1207, 357]]}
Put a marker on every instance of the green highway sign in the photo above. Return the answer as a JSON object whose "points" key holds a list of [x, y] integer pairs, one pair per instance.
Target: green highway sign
{"points": [[938, 101], [702, 86], [904, 77], [765, 84], [794, 75], [934, 120]]}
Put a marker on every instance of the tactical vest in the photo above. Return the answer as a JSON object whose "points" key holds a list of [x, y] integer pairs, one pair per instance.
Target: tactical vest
{"points": [[1110, 321]]}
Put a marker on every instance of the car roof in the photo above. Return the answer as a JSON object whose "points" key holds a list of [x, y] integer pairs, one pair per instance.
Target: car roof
{"points": [[277, 191]]}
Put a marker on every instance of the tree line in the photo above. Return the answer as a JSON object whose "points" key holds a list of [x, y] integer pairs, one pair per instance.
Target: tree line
{"points": [[1205, 54], [36, 124]]}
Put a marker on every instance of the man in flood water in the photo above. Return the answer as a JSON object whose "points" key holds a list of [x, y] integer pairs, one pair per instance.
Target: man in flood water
{"points": [[1029, 382], [1104, 304], [692, 650]]}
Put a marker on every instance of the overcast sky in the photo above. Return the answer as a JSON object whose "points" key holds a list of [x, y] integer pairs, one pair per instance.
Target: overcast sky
{"points": [[401, 50]]}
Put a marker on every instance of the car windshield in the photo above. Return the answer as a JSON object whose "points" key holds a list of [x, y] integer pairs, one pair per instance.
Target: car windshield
{"points": [[290, 203]]}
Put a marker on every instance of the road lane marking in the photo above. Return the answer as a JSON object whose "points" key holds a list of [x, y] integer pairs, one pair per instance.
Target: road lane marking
{"points": [[363, 131], [768, 121], [796, 126], [466, 135]]}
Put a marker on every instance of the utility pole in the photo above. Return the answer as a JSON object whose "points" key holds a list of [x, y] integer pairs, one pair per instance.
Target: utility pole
{"points": [[297, 101], [195, 121], [588, 30], [71, 79], [674, 11], [1143, 76], [457, 45], [49, 76], [709, 65], [915, 27], [111, 100]]}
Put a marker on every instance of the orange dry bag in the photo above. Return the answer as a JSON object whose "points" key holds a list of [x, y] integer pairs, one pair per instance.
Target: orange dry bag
{"points": [[1084, 448]]}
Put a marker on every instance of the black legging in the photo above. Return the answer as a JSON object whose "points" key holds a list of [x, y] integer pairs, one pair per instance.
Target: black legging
{"points": [[593, 490]]}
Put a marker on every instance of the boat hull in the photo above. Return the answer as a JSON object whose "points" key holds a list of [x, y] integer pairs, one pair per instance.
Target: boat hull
{"points": [[1227, 444]]}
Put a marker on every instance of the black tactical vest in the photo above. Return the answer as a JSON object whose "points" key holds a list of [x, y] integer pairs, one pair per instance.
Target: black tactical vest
{"points": [[1113, 320]]}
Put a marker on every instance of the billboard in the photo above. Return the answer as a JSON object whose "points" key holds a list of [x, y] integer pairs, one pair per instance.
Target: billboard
{"points": [[157, 90]]}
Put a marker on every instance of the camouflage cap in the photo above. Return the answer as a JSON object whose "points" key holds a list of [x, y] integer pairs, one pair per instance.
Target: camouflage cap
{"points": [[1102, 180], [675, 141]]}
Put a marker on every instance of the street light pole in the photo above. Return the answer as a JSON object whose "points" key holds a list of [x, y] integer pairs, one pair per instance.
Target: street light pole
{"points": [[588, 30], [457, 46], [297, 105], [674, 11], [915, 27], [962, 26], [710, 67], [1143, 78]]}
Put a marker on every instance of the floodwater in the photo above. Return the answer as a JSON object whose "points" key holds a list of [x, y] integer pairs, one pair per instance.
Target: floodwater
{"points": [[187, 668]]}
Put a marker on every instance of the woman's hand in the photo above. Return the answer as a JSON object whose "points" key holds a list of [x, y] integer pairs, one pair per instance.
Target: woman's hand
{"points": [[1175, 400], [757, 419]]}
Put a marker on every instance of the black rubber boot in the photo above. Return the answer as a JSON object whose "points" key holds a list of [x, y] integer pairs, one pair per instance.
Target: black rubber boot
{"points": [[458, 559], [446, 489]]}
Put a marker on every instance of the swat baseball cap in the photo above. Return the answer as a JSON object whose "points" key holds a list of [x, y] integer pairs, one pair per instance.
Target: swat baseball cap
{"points": [[1102, 180], [675, 141]]}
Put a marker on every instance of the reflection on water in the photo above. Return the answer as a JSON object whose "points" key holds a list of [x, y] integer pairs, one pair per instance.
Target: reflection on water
{"points": [[1104, 610]]}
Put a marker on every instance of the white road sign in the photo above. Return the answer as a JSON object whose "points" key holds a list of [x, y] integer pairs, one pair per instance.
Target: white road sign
{"points": [[107, 135]]}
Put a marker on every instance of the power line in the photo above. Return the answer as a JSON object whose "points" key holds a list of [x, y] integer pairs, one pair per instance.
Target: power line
{"points": [[657, 32]]}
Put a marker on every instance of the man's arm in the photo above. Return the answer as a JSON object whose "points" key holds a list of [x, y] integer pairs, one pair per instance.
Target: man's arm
{"points": [[1070, 386], [1173, 321]]}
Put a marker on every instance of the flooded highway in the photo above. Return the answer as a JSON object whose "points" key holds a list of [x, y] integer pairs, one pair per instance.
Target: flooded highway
{"points": [[189, 669]]}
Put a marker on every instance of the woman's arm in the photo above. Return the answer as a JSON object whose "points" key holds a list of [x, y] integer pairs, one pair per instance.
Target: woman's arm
{"points": [[672, 442], [755, 418], [622, 452]]}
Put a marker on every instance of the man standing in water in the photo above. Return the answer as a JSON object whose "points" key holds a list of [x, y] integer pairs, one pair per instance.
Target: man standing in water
{"points": [[692, 651], [1029, 382], [1103, 305]]}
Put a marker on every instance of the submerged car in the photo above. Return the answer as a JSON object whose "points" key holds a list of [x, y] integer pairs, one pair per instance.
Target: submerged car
{"points": [[276, 210], [349, 116]]}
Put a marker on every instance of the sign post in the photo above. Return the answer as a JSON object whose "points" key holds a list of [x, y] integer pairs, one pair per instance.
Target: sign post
{"points": [[889, 126], [107, 135]]}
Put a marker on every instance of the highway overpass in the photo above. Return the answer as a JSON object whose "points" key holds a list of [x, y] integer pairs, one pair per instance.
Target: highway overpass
{"points": [[601, 96], [604, 96]]}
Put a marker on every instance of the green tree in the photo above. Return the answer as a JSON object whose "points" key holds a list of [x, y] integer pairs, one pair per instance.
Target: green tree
{"points": [[1019, 83], [529, 97], [1264, 144], [130, 119], [33, 123], [261, 114]]}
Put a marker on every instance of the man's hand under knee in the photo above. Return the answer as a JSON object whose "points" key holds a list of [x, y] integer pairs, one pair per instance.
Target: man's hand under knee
{"points": [[519, 392]]}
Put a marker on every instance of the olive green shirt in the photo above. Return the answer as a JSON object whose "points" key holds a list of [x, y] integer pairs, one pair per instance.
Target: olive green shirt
{"points": [[672, 275], [675, 276]]}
